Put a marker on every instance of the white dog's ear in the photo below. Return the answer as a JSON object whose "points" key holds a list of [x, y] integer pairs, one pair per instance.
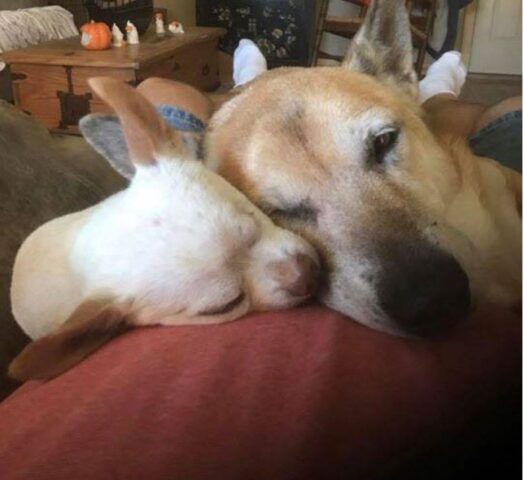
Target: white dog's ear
{"points": [[148, 137], [105, 134], [92, 324], [382, 47]]}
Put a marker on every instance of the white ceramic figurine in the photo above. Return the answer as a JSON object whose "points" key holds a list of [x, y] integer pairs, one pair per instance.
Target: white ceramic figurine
{"points": [[176, 27], [118, 36], [159, 24], [132, 34]]}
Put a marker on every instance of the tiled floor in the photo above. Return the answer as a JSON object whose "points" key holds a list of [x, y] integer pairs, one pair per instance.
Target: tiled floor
{"points": [[490, 89]]}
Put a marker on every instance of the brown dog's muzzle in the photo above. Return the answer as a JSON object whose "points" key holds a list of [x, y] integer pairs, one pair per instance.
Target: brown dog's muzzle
{"points": [[423, 290]]}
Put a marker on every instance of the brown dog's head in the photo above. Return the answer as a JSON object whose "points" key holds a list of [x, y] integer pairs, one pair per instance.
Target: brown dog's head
{"points": [[341, 156]]}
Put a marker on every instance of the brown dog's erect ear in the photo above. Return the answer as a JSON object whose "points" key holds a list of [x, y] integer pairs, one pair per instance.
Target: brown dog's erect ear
{"points": [[91, 325], [382, 47], [147, 135]]}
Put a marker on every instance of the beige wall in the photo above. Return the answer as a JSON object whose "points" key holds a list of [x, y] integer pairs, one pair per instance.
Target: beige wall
{"points": [[181, 10]]}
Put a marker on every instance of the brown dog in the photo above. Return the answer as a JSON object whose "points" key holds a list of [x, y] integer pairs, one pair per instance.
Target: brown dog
{"points": [[409, 225]]}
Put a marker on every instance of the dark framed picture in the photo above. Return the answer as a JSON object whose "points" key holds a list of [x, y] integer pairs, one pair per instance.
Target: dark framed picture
{"points": [[283, 29]]}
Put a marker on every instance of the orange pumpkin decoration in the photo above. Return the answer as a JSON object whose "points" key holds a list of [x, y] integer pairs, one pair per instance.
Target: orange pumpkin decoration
{"points": [[96, 36]]}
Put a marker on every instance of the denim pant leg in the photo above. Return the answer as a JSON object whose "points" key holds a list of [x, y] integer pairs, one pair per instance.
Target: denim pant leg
{"points": [[180, 119], [501, 140]]}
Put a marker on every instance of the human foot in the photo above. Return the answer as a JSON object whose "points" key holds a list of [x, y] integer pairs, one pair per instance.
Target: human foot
{"points": [[445, 75], [248, 62]]}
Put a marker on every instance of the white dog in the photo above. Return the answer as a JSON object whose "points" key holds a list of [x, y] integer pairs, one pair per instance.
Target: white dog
{"points": [[179, 246]]}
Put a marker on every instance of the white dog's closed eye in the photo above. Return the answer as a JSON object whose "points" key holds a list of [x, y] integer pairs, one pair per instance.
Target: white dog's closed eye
{"points": [[179, 246], [224, 306]]}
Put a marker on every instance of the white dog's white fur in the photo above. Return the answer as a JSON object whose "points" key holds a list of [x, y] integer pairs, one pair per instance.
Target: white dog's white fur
{"points": [[180, 245]]}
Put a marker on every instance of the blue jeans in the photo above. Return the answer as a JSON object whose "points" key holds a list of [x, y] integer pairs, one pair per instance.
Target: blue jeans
{"points": [[501, 140], [180, 119]]}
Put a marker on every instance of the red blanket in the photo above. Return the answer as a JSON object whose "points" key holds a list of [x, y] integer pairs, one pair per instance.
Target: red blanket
{"points": [[300, 394]]}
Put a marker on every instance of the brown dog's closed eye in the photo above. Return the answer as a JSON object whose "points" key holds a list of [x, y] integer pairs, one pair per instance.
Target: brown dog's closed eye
{"points": [[303, 212]]}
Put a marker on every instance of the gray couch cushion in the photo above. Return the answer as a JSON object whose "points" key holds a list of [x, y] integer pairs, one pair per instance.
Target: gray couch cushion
{"points": [[42, 176]]}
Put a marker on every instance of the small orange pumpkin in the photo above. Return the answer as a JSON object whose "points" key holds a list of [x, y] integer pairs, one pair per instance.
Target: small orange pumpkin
{"points": [[95, 36]]}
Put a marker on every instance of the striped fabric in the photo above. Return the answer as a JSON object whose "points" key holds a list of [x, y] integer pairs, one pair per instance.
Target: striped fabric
{"points": [[24, 27]]}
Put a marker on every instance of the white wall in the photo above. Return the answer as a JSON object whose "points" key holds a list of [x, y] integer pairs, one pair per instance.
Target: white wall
{"points": [[181, 10], [496, 44]]}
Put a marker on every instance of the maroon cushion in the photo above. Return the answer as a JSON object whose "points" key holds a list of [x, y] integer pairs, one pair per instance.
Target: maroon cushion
{"points": [[297, 394]]}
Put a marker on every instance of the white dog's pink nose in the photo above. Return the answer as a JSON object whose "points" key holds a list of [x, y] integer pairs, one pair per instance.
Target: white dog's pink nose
{"points": [[298, 276]]}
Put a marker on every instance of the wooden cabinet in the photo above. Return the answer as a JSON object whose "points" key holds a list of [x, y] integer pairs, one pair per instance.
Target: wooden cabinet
{"points": [[50, 79]]}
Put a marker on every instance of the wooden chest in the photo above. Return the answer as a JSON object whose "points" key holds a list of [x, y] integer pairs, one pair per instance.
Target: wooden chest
{"points": [[50, 79]]}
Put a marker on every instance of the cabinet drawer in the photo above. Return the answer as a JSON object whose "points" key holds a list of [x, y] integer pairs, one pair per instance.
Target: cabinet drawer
{"points": [[80, 76], [35, 90], [197, 66]]}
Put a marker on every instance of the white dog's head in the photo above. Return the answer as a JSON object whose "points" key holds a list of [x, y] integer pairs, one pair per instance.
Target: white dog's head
{"points": [[196, 238]]}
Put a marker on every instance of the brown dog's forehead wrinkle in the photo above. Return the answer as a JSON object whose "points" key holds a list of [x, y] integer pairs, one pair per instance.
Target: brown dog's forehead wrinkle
{"points": [[293, 123]]}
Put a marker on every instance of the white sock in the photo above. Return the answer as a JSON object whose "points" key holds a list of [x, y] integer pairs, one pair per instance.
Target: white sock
{"points": [[248, 62], [445, 75]]}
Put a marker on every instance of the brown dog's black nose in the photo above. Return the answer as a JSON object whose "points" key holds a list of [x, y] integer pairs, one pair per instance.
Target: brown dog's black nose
{"points": [[423, 290]]}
